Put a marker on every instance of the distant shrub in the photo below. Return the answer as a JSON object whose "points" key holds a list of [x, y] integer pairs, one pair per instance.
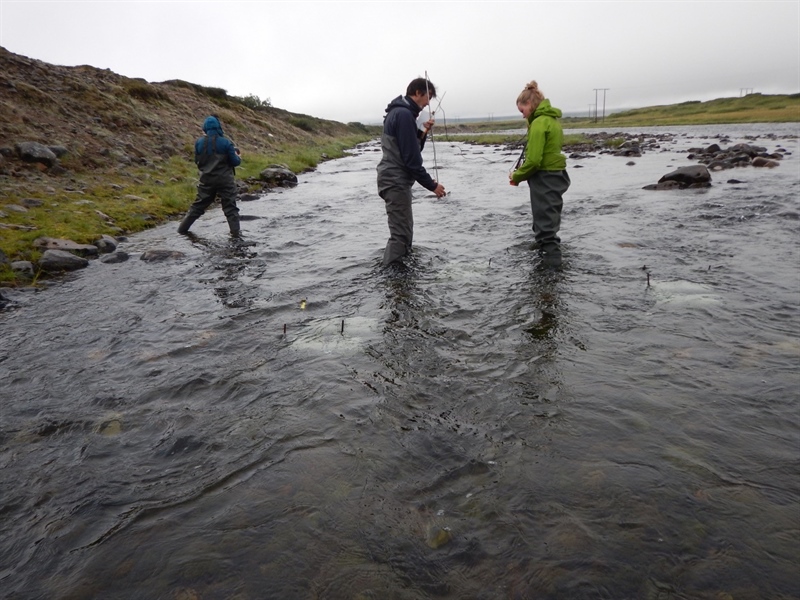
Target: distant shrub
{"points": [[141, 90], [253, 101], [213, 92], [180, 83], [304, 123]]}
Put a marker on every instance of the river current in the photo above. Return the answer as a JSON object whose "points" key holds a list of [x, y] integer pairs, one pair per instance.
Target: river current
{"points": [[281, 418]]}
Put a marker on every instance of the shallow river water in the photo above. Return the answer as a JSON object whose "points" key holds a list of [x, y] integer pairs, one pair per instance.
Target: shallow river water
{"points": [[281, 418]]}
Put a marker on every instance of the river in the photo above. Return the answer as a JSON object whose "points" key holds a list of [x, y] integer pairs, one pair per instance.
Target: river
{"points": [[279, 417]]}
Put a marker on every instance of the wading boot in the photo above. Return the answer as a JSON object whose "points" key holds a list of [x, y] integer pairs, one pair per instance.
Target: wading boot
{"points": [[233, 225], [183, 228], [551, 256]]}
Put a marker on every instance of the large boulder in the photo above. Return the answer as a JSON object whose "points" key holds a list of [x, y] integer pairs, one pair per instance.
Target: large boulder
{"points": [[760, 161], [37, 153], [277, 175], [54, 261], [695, 175]]}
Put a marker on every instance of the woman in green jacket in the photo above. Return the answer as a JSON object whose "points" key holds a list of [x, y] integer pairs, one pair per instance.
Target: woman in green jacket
{"points": [[545, 170]]}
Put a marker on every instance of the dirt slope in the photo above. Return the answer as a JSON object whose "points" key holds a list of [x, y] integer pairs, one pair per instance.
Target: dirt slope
{"points": [[100, 117]]}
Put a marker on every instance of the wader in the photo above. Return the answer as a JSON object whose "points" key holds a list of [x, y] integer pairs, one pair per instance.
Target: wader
{"points": [[216, 179], [401, 223], [547, 189]]}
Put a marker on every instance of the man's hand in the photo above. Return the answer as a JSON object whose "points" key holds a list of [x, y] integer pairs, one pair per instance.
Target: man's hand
{"points": [[439, 191], [511, 180], [428, 125]]}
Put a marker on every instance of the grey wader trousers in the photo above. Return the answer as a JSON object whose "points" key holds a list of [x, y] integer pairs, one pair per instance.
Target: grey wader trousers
{"points": [[207, 191], [401, 223], [547, 189]]}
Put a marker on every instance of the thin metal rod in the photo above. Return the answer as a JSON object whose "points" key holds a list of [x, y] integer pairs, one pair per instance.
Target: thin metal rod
{"points": [[430, 116]]}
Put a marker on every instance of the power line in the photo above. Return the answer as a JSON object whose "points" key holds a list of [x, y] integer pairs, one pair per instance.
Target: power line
{"points": [[604, 90]]}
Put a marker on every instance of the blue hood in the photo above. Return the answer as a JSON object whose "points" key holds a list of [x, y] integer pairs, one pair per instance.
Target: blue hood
{"points": [[212, 126]]}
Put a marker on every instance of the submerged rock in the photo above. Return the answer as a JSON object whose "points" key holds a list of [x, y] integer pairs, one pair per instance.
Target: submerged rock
{"points": [[437, 536], [158, 255], [114, 257]]}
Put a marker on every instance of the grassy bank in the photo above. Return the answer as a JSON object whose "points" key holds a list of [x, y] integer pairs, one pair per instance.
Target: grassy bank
{"points": [[132, 200]]}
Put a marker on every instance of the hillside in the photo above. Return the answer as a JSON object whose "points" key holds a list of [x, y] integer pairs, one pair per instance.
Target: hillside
{"points": [[99, 115], [118, 138]]}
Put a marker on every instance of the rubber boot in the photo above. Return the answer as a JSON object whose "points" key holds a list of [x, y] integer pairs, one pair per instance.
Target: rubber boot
{"points": [[551, 256], [233, 225], [183, 228]]}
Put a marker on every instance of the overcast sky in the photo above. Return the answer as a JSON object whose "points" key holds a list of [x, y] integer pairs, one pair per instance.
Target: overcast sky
{"points": [[346, 60]]}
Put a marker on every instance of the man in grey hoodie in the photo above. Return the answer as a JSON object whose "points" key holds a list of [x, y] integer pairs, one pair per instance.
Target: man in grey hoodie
{"points": [[401, 165]]}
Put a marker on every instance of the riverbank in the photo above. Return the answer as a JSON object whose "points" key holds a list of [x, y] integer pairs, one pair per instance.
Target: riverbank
{"points": [[87, 153]]}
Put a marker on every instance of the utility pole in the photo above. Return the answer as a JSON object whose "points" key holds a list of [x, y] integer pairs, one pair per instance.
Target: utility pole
{"points": [[595, 104], [604, 90], [745, 91]]}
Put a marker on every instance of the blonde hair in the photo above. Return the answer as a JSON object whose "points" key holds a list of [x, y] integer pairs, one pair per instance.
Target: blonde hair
{"points": [[531, 95]]}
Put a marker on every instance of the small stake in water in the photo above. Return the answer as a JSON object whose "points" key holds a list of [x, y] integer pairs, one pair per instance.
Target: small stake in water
{"points": [[284, 330], [648, 280], [342, 326]]}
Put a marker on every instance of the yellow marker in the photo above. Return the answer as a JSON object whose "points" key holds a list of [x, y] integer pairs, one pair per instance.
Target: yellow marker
{"points": [[303, 304]]}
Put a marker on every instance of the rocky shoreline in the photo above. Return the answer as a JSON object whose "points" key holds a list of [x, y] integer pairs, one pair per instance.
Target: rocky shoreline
{"points": [[711, 158]]}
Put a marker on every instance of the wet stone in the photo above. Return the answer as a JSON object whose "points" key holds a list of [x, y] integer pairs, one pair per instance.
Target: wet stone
{"points": [[61, 260], [438, 536], [159, 255]]}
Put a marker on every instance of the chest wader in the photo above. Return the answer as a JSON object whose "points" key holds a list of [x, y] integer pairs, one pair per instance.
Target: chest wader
{"points": [[216, 179], [394, 186], [547, 189]]}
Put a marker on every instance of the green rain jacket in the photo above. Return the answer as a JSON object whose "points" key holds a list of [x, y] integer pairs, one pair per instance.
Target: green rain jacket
{"points": [[545, 139]]}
